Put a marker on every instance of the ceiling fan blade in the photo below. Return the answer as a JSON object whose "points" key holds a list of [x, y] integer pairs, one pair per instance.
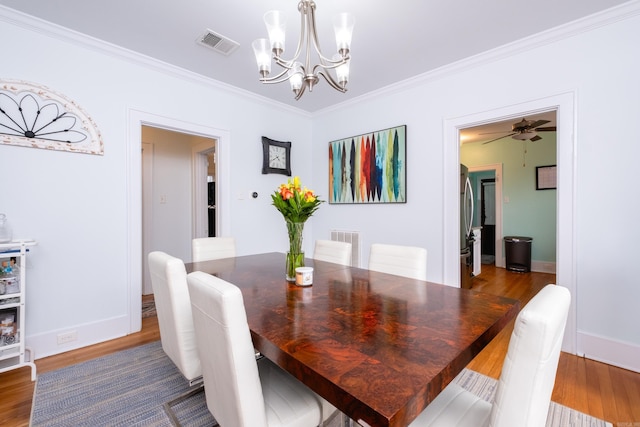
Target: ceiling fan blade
{"points": [[538, 123], [546, 129], [535, 138], [493, 133], [505, 136]]}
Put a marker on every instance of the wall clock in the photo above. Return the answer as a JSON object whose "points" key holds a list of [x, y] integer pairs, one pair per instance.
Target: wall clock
{"points": [[276, 156]]}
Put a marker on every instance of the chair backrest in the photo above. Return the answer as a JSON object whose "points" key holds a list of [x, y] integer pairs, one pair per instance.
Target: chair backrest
{"points": [[171, 296], [407, 261], [208, 248], [529, 371], [231, 380], [332, 251]]}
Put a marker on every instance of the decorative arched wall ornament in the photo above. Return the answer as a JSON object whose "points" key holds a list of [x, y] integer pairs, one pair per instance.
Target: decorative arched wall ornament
{"points": [[35, 116]]}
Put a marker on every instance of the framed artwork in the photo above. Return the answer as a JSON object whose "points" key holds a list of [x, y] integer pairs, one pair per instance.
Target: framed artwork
{"points": [[37, 117], [369, 168], [546, 177]]}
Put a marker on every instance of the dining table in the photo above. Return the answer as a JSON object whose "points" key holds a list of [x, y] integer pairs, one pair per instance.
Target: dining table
{"points": [[378, 347]]}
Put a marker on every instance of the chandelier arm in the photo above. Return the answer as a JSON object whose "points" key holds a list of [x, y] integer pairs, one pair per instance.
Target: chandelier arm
{"points": [[331, 81], [300, 92], [332, 64], [311, 34], [323, 59], [282, 77], [291, 61], [287, 64]]}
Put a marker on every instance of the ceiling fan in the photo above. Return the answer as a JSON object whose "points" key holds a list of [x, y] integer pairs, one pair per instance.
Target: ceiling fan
{"points": [[525, 130]]}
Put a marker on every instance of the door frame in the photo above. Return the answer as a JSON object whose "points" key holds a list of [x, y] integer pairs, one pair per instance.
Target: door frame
{"points": [[565, 106], [200, 190], [147, 182], [133, 178]]}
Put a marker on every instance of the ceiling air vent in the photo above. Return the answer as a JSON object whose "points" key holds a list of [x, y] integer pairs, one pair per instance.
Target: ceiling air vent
{"points": [[218, 42]]}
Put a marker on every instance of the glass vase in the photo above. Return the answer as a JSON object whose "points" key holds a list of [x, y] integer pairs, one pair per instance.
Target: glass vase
{"points": [[295, 255]]}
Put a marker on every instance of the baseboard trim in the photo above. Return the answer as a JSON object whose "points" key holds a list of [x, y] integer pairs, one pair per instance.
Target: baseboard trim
{"points": [[543, 267], [617, 353], [46, 344]]}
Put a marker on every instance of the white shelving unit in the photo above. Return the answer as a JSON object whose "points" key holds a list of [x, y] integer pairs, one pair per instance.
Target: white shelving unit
{"points": [[12, 305]]}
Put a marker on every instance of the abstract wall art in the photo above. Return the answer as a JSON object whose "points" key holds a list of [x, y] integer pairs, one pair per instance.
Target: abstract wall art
{"points": [[369, 168]]}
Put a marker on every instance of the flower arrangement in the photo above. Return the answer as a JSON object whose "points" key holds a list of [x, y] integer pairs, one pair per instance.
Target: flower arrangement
{"points": [[296, 204]]}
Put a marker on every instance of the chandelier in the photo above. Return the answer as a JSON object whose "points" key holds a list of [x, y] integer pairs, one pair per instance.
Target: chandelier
{"points": [[302, 75]]}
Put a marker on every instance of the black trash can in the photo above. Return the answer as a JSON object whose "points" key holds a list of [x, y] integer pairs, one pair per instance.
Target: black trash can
{"points": [[518, 253]]}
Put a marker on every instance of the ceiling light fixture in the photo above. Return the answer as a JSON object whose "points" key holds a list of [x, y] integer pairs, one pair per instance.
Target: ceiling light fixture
{"points": [[523, 136], [299, 75]]}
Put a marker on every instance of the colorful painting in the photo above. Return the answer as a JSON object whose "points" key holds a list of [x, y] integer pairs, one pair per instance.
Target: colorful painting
{"points": [[369, 168]]}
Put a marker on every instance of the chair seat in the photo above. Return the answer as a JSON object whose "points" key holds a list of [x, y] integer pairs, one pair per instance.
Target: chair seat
{"points": [[455, 407], [288, 402]]}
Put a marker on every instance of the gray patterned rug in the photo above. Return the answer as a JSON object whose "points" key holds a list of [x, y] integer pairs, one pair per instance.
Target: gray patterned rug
{"points": [[128, 388]]}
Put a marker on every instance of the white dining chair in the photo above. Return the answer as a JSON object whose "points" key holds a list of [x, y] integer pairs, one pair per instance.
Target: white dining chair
{"points": [[333, 251], [407, 261], [208, 248], [173, 308], [240, 391], [524, 390]]}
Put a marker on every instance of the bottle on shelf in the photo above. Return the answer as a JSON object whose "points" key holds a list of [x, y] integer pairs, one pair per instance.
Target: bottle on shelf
{"points": [[5, 230], [3, 282], [9, 278]]}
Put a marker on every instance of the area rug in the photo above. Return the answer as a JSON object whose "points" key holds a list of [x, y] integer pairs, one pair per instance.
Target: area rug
{"points": [[128, 388], [148, 308]]}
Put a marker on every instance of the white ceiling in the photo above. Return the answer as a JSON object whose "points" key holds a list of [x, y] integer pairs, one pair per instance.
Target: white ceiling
{"points": [[392, 41]]}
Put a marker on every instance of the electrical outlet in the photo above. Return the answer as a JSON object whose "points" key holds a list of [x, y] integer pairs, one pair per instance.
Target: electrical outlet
{"points": [[67, 337]]}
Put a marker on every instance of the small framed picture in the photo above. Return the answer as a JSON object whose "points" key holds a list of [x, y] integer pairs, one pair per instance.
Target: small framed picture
{"points": [[546, 177]]}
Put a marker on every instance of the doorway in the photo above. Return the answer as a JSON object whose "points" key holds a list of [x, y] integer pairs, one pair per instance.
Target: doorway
{"points": [[488, 220], [138, 119], [491, 233], [564, 105], [170, 186]]}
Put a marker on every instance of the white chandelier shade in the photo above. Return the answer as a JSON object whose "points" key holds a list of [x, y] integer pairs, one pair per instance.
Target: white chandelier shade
{"points": [[301, 74]]}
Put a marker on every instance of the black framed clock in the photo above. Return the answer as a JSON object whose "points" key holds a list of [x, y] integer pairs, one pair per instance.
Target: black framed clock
{"points": [[276, 156]]}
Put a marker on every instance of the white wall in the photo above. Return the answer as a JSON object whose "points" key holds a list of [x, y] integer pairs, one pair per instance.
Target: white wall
{"points": [[594, 64], [77, 205]]}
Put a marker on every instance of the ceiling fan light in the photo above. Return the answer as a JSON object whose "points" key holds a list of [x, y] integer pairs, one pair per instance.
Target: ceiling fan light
{"points": [[523, 136]]}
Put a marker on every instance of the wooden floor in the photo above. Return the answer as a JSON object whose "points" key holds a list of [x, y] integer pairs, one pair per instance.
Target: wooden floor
{"points": [[595, 388]]}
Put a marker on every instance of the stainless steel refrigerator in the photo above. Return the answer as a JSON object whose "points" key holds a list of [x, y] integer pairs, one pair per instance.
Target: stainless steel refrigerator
{"points": [[466, 236]]}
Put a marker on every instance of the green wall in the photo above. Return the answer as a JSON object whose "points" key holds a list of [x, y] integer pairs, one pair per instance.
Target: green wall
{"points": [[525, 210]]}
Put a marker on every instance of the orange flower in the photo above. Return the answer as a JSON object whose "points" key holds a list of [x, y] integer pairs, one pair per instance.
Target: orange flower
{"points": [[285, 193]]}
